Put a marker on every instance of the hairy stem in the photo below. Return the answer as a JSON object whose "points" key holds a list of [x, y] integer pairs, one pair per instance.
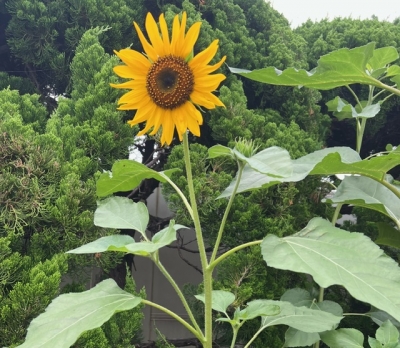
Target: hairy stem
{"points": [[232, 251], [207, 274], [198, 335], [227, 210], [179, 293]]}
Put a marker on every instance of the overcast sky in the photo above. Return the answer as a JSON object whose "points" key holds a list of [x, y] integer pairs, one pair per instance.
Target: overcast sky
{"points": [[298, 11]]}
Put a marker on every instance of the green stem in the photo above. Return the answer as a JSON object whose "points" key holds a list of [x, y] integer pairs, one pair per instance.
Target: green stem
{"points": [[232, 251], [354, 95], [234, 336], [321, 289], [391, 89], [180, 193], [254, 337], [227, 210], [176, 317], [178, 291], [207, 274]]}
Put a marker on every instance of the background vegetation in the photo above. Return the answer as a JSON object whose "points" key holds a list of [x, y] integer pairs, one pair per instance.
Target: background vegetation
{"points": [[52, 147]]}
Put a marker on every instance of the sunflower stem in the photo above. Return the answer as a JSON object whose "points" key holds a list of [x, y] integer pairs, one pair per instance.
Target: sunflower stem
{"points": [[171, 280], [227, 210], [207, 272]]}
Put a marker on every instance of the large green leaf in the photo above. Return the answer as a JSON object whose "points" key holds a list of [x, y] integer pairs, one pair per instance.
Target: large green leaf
{"points": [[343, 338], [301, 318], [125, 176], [297, 338], [273, 161], [330, 161], [122, 212], [336, 257], [300, 297], [258, 308], [388, 235], [108, 243], [367, 193], [69, 315], [338, 68]]}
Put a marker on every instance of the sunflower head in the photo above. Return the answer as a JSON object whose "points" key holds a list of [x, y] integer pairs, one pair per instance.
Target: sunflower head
{"points": [[167, 82]]}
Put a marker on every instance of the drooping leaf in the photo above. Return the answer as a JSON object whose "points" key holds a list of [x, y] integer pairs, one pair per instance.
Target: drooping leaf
{"points": [[127, 244], [108, 243], [341, 338], [121, 212], [301, 318], [336, 257], [69, 315], [125, 176], [379, 317], [388, 235], [367, 193], [221, 300], [297, 338], [252, 179], [338, 68]]}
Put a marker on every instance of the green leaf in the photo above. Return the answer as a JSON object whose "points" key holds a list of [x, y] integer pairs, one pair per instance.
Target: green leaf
{"points": [[343, 338], [273, 161], [108, 243], [393, 70], [296, 338], [367, 193], [388, 235], [338, 68], [125, 176], [374, 343], [303, 166], [69, 315], [221, 300], [127, 244], [297, 297], [341, 109], [219, 151], [301, 318], [122, 212], [258, 308], [165, 237], [336, 257], [382, 57], [387, 333], [379, 317]]}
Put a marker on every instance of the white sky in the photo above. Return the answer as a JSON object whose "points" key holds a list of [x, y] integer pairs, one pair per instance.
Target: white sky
{"points": [[298, 11]]}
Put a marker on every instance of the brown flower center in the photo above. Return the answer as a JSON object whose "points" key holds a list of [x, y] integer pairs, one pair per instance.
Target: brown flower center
{"points": [[170, 82]]}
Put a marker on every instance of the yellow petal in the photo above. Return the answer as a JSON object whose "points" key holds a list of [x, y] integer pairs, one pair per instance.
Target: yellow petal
{"points": [[190, 39], [208, 83], [204, 57], [134, 59], [149, 49], [165, 34], [154, 35], [207, 69], [168, 128]]}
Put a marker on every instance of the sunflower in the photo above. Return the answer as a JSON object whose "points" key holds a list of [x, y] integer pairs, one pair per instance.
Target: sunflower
{"points": [[167, 82]]}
